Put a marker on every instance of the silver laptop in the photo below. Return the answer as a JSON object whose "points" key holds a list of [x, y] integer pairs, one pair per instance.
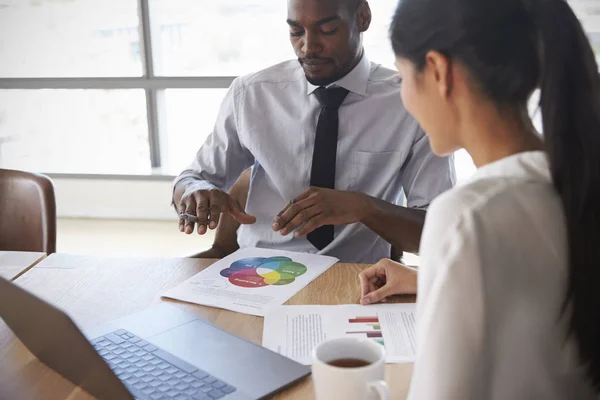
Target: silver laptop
{"points": [[160, 353]]}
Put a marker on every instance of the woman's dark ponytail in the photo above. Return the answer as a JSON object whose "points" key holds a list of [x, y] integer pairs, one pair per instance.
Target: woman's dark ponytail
{"points": [[570, 103]]}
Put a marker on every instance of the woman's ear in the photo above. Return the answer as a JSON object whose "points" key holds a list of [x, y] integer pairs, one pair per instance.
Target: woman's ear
{"points": [[440, 68]]}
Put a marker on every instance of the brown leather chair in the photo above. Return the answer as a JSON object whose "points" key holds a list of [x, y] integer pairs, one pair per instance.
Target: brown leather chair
{"points": [[27, 212]]}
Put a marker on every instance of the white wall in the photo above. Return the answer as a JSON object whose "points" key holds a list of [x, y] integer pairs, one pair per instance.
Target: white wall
{"points": [[114, 199]]}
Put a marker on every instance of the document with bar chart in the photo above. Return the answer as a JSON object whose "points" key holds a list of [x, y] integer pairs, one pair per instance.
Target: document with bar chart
{"points": [[294, 331]]}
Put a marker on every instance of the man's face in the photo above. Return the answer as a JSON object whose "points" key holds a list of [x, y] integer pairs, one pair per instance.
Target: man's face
{"points": [[326, 37]]}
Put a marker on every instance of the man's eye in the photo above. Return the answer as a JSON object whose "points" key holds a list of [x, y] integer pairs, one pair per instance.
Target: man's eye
{"points": [[296, 33], [329, 33]]}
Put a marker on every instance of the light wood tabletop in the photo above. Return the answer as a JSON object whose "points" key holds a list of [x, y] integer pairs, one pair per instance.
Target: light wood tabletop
{"points": [[15, 263], [94, 290]]}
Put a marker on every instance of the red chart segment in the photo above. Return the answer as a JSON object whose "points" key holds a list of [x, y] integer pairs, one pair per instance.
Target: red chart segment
{"points": [[247, 278], [259, 272]]}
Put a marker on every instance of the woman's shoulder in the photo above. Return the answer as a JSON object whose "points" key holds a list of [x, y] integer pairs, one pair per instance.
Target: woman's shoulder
{"points": [[497, 204], [499, 185], [463, 200]]}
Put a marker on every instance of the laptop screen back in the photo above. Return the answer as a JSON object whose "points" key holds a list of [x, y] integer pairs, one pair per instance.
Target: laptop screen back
{"points": [[56, 341]]}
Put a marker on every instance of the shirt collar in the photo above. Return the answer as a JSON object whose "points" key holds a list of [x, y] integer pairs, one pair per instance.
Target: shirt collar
{"points": [[355, 81]]}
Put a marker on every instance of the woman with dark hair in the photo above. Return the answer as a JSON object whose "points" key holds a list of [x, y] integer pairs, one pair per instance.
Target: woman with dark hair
{"points": [[509, 283]]}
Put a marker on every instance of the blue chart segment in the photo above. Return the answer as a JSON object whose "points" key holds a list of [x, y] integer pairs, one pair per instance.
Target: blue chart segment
{"points": [[260, 272]]}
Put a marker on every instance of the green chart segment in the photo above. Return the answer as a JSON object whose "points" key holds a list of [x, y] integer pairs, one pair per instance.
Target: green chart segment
{"points": [[261, 271]]}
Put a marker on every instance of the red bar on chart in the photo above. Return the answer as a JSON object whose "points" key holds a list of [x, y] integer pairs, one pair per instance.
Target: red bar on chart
{"points": [[363, 320]]}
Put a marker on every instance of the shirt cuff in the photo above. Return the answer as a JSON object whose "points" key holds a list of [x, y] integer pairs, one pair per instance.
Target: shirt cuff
{"points": [[195, 186], [192, 184]]}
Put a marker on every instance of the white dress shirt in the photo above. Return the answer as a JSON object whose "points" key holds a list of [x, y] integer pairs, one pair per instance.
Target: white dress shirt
{"points": [[492, 283], [268, 120]]}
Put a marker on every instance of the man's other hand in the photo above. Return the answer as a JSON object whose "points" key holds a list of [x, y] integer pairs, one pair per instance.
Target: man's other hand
{"points": [[317, 207]]}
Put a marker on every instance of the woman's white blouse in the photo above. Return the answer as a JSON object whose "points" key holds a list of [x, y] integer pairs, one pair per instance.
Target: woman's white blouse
{"points": [[492, 283]]}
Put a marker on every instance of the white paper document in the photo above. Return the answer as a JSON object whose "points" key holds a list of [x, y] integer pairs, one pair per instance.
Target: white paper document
{"points": [[294, 331], [252, 280]]}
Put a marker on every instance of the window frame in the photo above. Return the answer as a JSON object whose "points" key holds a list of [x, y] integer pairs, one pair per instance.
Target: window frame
{"points": [[152, 85]]}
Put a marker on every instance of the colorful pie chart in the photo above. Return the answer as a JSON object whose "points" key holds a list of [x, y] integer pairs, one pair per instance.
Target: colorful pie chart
{"points": [[260, 272]]}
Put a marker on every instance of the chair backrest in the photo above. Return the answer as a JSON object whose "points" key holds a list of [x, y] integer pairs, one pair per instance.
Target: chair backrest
{"points": [[27, 212]]}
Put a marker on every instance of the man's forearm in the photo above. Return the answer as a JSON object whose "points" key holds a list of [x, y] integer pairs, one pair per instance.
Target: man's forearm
{"points": [[400, 226]]}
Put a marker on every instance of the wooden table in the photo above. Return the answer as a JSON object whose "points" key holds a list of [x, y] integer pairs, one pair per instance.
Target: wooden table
{"points": [[15, 263], [94, 290]]}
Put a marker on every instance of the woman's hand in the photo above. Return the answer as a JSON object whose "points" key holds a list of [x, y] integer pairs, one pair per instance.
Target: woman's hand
{"points": [[386, 278]]}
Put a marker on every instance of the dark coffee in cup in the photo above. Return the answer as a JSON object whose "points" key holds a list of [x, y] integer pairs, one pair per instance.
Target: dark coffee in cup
{"points": [[349, 363]]}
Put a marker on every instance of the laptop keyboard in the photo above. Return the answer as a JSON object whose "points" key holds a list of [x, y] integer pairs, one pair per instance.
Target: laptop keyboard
{"points": [[151, 373]]}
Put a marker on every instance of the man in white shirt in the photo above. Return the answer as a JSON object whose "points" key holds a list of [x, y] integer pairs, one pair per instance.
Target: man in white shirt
{"points": [[331, 148]]}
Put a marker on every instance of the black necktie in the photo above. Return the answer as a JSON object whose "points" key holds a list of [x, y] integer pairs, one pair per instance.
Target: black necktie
{"points": [[323, 164]]}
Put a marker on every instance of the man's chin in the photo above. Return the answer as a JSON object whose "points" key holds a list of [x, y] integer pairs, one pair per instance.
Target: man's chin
{"points": [[320, 80]]}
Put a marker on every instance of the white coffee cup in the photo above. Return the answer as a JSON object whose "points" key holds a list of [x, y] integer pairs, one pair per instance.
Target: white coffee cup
{"points": [[360, 383]]}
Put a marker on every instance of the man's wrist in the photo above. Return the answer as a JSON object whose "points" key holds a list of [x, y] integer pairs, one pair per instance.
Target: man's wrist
{"points": [[218, 250], [367, 208], [223, 250]]}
